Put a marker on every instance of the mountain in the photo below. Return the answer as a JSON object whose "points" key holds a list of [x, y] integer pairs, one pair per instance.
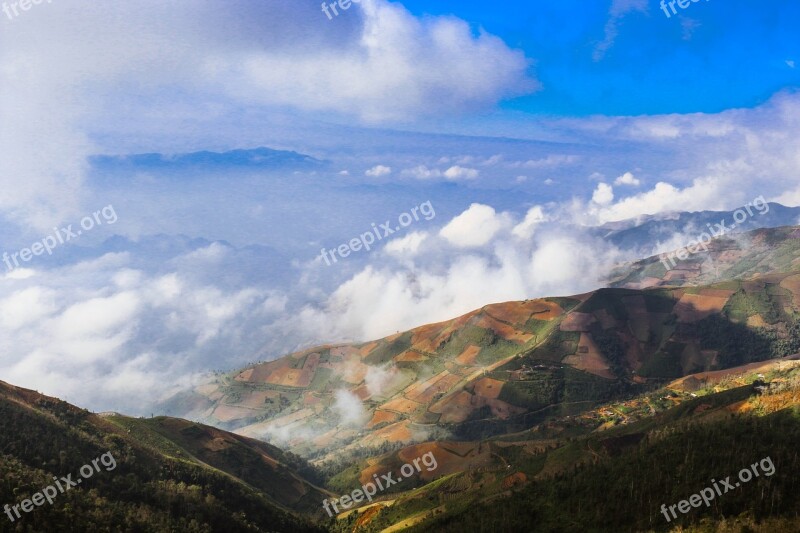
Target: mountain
{"points": [[266, 158], [741, 256], [613, 468], [506, 367], [643, 232], [159, 474]]}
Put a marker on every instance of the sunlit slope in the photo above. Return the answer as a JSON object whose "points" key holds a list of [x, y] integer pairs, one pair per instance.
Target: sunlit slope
{"points": [[502, 368]]}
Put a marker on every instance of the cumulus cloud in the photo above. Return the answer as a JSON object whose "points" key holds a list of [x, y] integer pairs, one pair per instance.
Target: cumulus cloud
{"points": [[378, 171], [453, 173], [398, 65], [457, 172], [381, 63], [422, 172], [627, 179], [474, 227], [708, 193], [457, 270], [98, 330], [408, 245], [533, 218], [603, 194]]}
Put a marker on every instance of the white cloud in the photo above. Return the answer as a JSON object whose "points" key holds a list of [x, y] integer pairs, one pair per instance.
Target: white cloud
{"points": [[533, 218], [395, 66], [551, 161], [708, 193], [381, 63], [627, 179], [619, 8], [349, 408], [378, 170], [405, 246], [603, 194], [422, 172], [453, 173], [474, 227], [456, 173]]}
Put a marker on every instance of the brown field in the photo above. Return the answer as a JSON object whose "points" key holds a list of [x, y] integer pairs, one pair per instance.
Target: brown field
{"points": [[411, 357], [520, 312], [245, 376], [365, 350], [591, 361], [228, 413], [398, 432], [344, 351], [362, 392], [353, 371], [455, 408], [694, 307], [257, 399], [210, 391], [503, 330], [326, 439], [717, 293], [382, 417], [792, 284], [679, 274], [425, 338], [577, 322], [467, 357], [288, 377], [292, 418], [401, 405], [489, 388], [451, 457], [428, 338], [518, 478], [442, 382], [261, 373]]}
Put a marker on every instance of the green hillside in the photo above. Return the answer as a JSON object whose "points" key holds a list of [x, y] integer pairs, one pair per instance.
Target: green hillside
{"points": [[167, 477]]}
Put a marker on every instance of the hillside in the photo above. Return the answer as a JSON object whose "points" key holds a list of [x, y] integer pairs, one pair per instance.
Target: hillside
{"points": [[502, 368], [735, 256], [589, 473], [167, 474]]}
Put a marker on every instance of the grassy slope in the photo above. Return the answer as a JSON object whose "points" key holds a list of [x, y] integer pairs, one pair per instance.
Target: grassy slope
{"points": [[616, 480], [157, 485]]}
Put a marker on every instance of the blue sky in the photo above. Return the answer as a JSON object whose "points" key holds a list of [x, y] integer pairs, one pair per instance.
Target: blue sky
{"points": [[712, 56]]}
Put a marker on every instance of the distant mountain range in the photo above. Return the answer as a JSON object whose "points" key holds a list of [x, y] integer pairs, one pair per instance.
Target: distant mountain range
{"points": [[643, 232], [250, 158]]}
